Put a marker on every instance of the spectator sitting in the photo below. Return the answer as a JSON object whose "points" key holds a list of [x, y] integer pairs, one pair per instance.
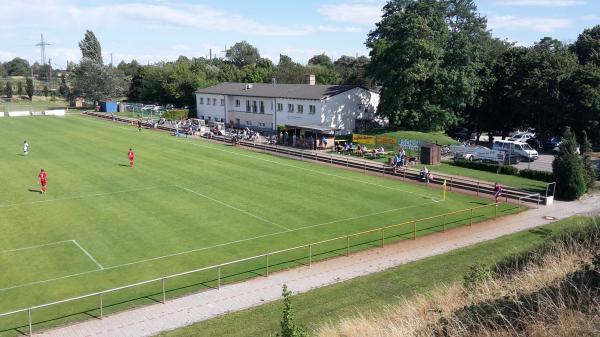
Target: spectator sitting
{"points": [[429, 178], [397, 162], [423, 174]]}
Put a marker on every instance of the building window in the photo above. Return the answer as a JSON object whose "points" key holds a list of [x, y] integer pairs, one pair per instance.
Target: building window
{"points": [[201, 117], [222, 102], [261, 124], [262, 107], [201, 100], [290, 108], [237, 103], [279, 106], [312, 109], [248, 123], [207, 101], [300, 108], [254, 107], [247, 106], [208, 117], [214, 101], [237, 121]]}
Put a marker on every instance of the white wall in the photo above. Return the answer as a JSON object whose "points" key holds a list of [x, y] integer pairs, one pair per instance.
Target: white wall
{"points": [[341, 111], [210, 110], [295, 118]]}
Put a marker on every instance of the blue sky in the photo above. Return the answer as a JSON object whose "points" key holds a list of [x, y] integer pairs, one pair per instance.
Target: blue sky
{"points": [[155, 30]]}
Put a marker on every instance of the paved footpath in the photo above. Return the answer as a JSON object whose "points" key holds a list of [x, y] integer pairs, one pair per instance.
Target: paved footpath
{"points": [[152, 319]]}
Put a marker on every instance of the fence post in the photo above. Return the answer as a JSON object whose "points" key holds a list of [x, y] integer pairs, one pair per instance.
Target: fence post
{"points": [[471, 218], [267, 265], [309, 255], [164, 292], [30, 323], [451, 181], [101, 305], [219, 278], [382, 237], [414, 230], [478, 188], [495, 211], [348, 245], [347, 162], [444, 223], [331, 161], [364, 167]]}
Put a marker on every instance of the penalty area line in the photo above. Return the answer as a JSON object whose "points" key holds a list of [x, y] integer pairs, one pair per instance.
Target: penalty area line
{"points": [[88, 254]]}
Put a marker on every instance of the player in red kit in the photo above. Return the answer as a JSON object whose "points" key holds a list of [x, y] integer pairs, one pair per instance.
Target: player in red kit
{"points": [[43, 176], [131, 156]]}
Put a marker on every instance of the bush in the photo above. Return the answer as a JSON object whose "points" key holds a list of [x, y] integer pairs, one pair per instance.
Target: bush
{"points": [[477, 274], [173, 115], [537, 175], [500, 169], [568, 169]]}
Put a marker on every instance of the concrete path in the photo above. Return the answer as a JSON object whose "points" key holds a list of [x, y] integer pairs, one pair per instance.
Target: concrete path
{"points": [[152, 319]]}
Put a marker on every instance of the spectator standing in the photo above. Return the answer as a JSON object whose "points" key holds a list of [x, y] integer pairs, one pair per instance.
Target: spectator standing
{"points": [[497, 192]]}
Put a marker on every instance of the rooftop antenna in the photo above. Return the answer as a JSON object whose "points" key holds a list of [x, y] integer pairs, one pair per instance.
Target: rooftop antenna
{"points": [[42, 44]]}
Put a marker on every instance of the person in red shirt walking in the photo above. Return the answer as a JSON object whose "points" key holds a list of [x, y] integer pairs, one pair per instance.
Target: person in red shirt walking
{"points": [[43, 176], [131, 156]]}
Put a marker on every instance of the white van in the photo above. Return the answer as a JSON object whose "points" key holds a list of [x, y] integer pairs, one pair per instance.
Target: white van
{"points": [[516, 148]]}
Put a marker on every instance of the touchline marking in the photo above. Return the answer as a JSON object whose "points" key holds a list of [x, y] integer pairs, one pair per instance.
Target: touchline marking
{"points": [[204, 248], [80, 196], [36, 246], [88, 254], [232, 207]]}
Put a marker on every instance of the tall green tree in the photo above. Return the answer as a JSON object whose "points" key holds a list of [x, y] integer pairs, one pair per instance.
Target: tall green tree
{"points": [[90, 47], [45, 91], [8, 90], [321, 60], [568, 169], [426, 56], [288, 326], [17, 67], [19, 88], [242, 54], [587, 46], [289, 71], [29, 87], [64, 89], [590, 171], [352, 70]]}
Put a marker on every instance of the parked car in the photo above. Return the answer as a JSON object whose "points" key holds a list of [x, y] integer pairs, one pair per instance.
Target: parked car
{"points": [[460, 134], [552, 143], [511, 147], [557, 147], [535, 143], [522, 137]]}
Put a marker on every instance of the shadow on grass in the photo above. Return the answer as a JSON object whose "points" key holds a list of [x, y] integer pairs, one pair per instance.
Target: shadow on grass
{"points": [[34, 191]]}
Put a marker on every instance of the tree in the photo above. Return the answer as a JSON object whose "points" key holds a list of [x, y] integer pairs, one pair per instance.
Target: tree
{"points": [[243, 53], [8, 90], [568, 170], [45, 91], [288, 326], [289, 71], [94, 81], [589, 167], [19, 88], [17, 67], [29, 87], [321, 60], [587, 46], [352, 70], [426, 55], [64, 89], [90, 47]]}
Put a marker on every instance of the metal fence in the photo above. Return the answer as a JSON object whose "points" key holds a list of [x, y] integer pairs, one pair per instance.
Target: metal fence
{"points": [[344, 245]]}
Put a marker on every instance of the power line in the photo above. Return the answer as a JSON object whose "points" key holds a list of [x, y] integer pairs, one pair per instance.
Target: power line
{"points": [[42, 44]]}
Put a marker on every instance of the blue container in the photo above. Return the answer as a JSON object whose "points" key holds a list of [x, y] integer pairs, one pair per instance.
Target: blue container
{"points": [[108, 106]]}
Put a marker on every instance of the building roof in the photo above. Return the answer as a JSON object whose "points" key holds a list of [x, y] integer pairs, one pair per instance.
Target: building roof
{"points": [[295, 91]]}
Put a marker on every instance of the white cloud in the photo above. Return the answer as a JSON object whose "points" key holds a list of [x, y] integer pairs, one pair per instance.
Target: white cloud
{"points": [[357, 13], [542, 25], [541, 3]]}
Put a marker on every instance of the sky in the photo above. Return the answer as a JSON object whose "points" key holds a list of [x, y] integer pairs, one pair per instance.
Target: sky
{"points": [[161, 30]]}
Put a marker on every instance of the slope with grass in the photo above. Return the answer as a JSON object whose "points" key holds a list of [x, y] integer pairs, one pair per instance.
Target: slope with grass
{"points": [[430, 137], [373, 293], [186, 204]]}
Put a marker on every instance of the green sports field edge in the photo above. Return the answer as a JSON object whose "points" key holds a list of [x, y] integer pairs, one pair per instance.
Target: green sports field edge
{"points": [[186, 204]]}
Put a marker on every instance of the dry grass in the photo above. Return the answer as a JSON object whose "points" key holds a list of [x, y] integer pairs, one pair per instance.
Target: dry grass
{"points": [[535, 297]]}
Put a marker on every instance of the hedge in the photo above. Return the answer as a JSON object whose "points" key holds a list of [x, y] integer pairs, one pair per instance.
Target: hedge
{"points": [[537, 175], [173, 115], [500, 169], [506, 169]]}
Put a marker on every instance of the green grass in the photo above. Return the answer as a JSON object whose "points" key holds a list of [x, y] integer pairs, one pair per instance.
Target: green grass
{"points": [[187, 204], [38, 104], [503, 179], [373, 292]]}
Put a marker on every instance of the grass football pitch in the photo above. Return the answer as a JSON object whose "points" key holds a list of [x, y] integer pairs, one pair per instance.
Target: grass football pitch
{"points": [[186, 204]]}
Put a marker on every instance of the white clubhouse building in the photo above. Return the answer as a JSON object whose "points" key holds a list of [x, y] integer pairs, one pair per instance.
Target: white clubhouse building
{"points": [[265, 106]]}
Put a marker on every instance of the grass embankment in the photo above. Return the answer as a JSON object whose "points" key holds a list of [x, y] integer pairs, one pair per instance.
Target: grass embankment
{"points": [[552, 290], [430, 137], [374, 292], [38, 104]]}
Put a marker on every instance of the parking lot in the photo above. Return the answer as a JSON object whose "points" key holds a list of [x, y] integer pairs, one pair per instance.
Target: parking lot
{"points": [[544, 163]]}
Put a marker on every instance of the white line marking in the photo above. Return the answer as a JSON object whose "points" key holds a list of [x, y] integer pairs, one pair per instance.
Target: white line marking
{"points": [[36, 246], [233, 207], [88, 254], [81, 196], [206, 248]]}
